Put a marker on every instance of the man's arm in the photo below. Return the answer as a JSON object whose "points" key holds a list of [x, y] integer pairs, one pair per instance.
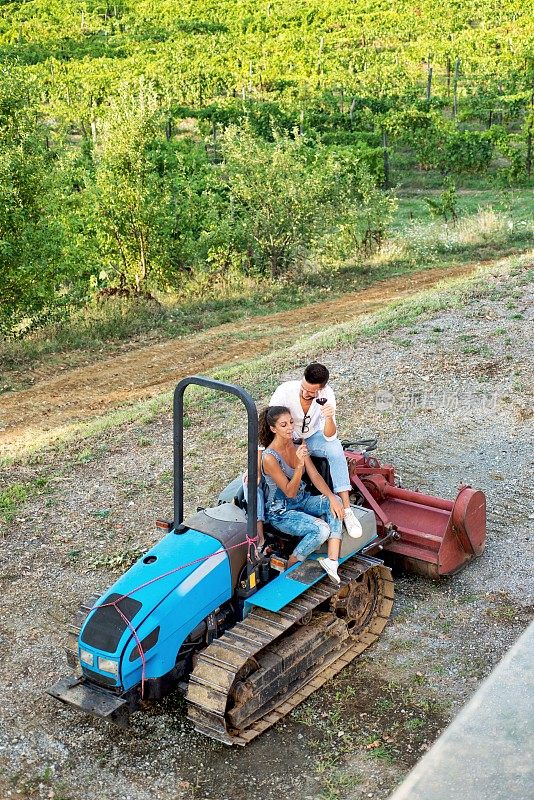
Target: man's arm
{"points": [[329, 414], [330, 427]]}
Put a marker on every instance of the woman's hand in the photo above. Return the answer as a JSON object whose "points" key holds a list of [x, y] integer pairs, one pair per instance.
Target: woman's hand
{"points": [[336, 506], [328, 410], [302, 454]]}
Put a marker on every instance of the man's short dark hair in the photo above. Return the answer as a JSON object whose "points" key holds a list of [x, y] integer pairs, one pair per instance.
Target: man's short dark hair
{"points": [[316, 374]]}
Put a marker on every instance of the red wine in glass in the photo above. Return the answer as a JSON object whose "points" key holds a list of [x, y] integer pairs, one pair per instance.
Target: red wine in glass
{"points": [[321, 400], [297, 440]]}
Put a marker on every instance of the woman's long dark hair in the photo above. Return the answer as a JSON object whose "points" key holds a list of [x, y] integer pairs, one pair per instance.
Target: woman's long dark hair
{"points": [[269, 416]]}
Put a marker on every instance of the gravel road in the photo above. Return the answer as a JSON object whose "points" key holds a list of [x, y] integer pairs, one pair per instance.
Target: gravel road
{"points": [[450, 399]]}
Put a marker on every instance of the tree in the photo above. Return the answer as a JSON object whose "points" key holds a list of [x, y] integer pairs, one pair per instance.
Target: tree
{"points": [[289, 199], [31, 232], [447, 204], [129, 199]]}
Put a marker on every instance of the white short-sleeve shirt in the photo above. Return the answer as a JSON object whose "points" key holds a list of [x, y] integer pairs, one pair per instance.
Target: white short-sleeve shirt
{"points": [[288, 395]]}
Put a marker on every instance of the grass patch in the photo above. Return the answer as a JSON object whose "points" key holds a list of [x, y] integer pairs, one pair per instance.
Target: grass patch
{"points": [[116, 562], [11, 499], [515, 204], [15, 495], [382, 752], [364, 714], [85, 456]]}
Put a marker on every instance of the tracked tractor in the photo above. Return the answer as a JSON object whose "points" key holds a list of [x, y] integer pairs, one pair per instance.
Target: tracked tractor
{"points": [[202, 611]]}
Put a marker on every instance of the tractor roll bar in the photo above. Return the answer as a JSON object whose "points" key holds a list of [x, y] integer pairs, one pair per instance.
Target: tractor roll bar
{"points": [[252, 458]]}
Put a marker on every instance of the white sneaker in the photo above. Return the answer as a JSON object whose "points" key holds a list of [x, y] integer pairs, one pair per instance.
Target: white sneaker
{"points": [[352, 524], [330, 567]]}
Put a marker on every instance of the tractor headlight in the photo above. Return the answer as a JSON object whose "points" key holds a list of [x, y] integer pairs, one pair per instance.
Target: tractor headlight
{"points": [[108, 665], [86, 657]]}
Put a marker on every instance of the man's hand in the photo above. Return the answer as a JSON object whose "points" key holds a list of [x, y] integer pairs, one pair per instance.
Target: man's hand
{"points": [[336, 507], [328, 410]]}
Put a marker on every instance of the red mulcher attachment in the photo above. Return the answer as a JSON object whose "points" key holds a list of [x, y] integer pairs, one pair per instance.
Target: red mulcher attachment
{"points": [[426, 535]]}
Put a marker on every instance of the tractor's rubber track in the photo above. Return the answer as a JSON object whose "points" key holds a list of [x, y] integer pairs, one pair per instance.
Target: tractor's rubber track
{"points": [[264, 666]]}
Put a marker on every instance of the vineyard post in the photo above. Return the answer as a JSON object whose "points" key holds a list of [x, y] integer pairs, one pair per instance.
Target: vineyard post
{"points": [[385, 185], [429, 83], [142, 94], [93, 123], [319, 65], [529, 136], [455, 87], [352, 107]]}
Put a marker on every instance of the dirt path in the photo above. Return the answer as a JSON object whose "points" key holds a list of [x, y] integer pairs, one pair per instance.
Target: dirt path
{"points": [[87, 392]]}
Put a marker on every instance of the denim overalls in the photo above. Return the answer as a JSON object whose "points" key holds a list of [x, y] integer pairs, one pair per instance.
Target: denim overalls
{"points": [[303, 515]]}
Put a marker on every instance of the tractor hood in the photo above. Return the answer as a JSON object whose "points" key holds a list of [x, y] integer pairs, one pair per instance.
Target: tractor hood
{"points": [[175, 565]]}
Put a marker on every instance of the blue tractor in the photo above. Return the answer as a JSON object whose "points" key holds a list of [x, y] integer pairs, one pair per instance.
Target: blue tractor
{"points": [[202, 611]]}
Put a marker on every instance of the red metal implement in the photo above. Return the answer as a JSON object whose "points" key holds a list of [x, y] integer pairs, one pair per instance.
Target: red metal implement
{"points": [[436, 537]]}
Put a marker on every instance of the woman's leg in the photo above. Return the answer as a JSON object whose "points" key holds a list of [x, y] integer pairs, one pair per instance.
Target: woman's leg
{"points": [[320, 505], [332, 450], [311, 531]]}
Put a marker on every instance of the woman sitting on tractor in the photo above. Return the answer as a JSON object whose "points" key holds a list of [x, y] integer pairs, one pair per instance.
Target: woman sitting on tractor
{"points": [[289, 507]]}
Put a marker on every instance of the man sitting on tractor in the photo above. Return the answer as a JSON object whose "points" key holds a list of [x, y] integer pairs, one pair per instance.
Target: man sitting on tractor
{"points": [[312, 404]]}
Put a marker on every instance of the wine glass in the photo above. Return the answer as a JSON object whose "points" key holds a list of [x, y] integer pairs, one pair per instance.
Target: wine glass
{"points": [[321, 400]]}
